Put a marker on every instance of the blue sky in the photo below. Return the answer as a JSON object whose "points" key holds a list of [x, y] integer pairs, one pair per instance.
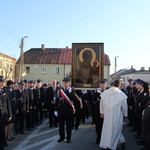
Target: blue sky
{"points": [[123, 26]]}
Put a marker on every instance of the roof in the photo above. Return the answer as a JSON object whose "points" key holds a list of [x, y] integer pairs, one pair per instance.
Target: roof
{"points": [[130, 71], [52, 56], [7, 56]]}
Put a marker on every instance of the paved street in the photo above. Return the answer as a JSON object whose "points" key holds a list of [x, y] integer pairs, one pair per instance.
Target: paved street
{"points": [[45, 138]]}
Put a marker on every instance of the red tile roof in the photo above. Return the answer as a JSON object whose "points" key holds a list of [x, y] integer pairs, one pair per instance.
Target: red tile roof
{"points": [[52, 56]]}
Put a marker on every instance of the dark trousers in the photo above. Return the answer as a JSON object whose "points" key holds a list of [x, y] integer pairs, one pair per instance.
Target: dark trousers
{"points": [[82, 115], [36, 115], [98, 128], [19, 121], [69, 119], [146, 146], [53, 120], [2, 135], [130, 116], [77, 118], [41, 113], [28, 120]]}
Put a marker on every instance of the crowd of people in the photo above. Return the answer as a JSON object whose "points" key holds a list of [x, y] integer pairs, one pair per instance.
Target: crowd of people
{"points": [[24, 105], [138, 92], [118, 102]]}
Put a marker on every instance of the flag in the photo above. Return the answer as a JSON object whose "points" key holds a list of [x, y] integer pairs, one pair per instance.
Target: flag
{"points": [[24, 73]]}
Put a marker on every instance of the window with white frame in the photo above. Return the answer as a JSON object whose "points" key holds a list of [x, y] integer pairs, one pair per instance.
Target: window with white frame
{"points": [[44, 69], [57, 70], [35, 69]]}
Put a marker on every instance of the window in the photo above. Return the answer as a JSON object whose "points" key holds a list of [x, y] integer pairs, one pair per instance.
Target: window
{"points": [[7, 66], [11, 66], [67, 74], [1, 63], [57, 70], [35, 69], [44, 69], [28, 70]]}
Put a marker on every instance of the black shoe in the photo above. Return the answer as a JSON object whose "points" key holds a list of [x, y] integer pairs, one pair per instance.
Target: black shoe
{"points": [[135, 135], [68, 141], [60, 140], [123, 146], [97, 142], [12, 137], [9, 139], [22, 133], [132, 130], [5, 143], [139, 143]]}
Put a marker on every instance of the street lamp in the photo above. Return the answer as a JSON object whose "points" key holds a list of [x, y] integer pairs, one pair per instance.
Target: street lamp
{"points": [[22, 57], [116, 64]]}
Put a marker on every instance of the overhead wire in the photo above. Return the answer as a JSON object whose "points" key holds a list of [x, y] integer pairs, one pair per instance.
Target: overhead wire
{"points": [[10, 33]]}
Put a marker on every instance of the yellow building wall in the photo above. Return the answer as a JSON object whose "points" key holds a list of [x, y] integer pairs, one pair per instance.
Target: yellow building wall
{"points": [[47, 72], [7, 67]]}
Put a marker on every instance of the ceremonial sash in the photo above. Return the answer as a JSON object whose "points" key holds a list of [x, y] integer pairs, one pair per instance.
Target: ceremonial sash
{"points": [[80, 100], [66, 98]]}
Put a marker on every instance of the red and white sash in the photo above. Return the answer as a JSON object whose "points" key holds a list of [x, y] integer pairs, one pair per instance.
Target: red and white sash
{"points": [[80, 100], [66, 98]]}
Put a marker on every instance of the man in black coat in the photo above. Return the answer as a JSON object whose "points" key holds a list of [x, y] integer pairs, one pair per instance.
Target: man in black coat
{"points": [[96, 101], [5, 112], [65, 110], [40, 100], [51, 95], [130, 112], [21, 96]]}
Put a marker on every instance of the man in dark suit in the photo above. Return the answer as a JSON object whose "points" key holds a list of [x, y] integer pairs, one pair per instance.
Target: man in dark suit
{"points": [[65, 110], [21, 107], [5, 112], [51, 96], [40, 100], [130, 112], [96, 102]]}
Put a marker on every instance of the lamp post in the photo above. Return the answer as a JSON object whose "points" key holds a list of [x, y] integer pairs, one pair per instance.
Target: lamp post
{"points": [[116, 67], [21, 68], [116, 64]]}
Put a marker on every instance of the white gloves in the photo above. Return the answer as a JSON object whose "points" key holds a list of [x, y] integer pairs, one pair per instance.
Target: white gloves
{"points": [[56, 113]]}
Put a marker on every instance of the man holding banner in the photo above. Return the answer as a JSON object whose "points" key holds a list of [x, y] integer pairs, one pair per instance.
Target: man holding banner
{"points": [[65, 110]]}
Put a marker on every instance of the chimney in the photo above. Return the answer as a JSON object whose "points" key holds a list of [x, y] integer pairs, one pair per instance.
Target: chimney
{"points": [[142, 68], [42, 46], [67, 47]]}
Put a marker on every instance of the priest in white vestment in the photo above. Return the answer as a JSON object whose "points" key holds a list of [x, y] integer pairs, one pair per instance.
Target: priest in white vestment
{"points": [[113, 108]]}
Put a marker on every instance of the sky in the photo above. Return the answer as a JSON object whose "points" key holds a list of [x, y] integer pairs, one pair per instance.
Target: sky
{"points": [[122, 25]]}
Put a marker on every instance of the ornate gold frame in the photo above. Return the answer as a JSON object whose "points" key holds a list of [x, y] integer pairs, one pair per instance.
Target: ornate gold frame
{"points": [[97, 58]]}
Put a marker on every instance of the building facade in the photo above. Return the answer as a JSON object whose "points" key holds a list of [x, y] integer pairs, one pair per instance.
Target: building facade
{"points": [[7, 67], [51, 63], [125, 74]]}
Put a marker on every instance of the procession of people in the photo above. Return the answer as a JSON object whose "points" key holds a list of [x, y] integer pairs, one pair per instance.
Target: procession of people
{"points": [[24, 105]]}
